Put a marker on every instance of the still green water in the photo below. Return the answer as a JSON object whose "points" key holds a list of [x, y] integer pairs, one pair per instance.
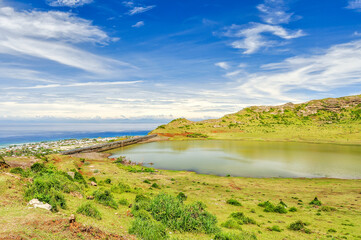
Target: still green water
{"points": [[249, 159]]}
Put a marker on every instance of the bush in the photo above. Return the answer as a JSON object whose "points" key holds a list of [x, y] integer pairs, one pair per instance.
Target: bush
{"points": [[93, 179], [235, 236], [108, 181], [123, 201], [293, 209], [20, 171], [155, 185], [197, 135], [233, 202], [121, 188], [148, 229], [147, 181], [297, 226], [89, 210], [49, 186], [242, 218], [331, 230], [37, 167], [181, 197], [316, 202], [231, 224], [275, 228], [174, 214], [78, 177], [269, 207], [105, 197]]}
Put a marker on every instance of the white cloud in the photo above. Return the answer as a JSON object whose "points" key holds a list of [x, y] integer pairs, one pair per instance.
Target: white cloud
{"points": [[274, 12], [138, 10], [138, 24], [68, 3], [52, 35], [339, 66], [223, 65], [252, 39], [354, 4]]}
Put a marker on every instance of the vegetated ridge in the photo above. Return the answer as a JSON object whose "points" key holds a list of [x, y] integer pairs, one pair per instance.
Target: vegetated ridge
{"points": [[326, 120]]}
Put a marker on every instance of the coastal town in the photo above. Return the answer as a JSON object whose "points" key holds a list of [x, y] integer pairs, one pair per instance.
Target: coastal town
{"points": [[44, 148]]}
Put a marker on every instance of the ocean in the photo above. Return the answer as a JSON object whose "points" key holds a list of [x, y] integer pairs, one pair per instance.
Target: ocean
{"points": [[19, 133]]}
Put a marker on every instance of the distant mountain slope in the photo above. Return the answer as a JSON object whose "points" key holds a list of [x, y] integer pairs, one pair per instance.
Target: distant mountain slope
{"points": [[326, 120]]}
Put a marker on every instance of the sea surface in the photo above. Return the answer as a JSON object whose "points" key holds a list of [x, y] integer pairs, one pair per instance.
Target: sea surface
{"points": [[16, 133], [250, 158]]}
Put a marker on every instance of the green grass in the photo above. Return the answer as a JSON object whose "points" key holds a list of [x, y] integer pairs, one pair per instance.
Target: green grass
{"points": [[89, 210]]}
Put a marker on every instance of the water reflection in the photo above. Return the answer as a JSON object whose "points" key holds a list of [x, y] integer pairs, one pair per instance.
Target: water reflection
{"points": [[250, 159]]}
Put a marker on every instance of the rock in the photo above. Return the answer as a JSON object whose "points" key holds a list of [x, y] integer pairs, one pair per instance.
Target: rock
{"points": [[71, 174], [72, 218], [90, 197], [37, 204], [93, 184]]}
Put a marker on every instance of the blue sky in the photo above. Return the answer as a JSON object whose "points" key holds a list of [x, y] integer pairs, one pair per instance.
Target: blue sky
{"points": [[161, 59]]}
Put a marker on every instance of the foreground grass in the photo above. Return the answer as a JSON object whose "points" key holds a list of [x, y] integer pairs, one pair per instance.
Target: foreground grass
{"points": [[338, 217]]}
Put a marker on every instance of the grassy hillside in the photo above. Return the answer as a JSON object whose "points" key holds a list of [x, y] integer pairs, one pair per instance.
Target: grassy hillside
{"points": [[134, 202], [328, 120]]}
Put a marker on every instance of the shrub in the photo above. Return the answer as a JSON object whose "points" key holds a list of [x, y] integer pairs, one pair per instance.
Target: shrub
{"points": [[197, 135], [232, 224], [108, 181], [37, 167], [242, 218], [123, 201], [147, 181], [331, 230], [105, 197], [269, 207], [93, 179], [316, 202], [234, 236], [148, 229], [121, 188], [78, 177], [89, 210], [233, 202], [155, 185], [182, 197], [20, 171], [275, 228], [297, 226], [293, 209], [174, 214]]}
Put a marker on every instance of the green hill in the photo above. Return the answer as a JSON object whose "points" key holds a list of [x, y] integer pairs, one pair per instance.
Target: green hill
{"points": [[335, 120]]}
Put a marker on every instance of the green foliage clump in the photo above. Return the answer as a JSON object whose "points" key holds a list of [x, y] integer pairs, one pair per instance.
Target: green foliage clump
{"points": [[78, 177], [299, 226], [270, 207], [231, 224], [108, 181], [173, 213], [147, 181], [89, 210], [155, 185], [105, 197], [20, 171], [316, 202], [121, 188], [242, 219], [197, 135], [123, 202], [331, 230], [275, 228], [181, 197], [93, 179], [148, 229], [48, 186], [235, 236], [233, 202], [292, 209], [37, 167]]}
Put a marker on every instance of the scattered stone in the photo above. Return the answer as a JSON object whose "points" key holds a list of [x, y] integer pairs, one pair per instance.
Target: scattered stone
{"points": [[93, 183], [71, 174], [37, 204], [90, 197], [72, 218]]}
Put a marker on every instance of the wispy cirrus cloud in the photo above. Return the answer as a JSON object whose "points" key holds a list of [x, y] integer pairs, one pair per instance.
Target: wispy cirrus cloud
{"points": [[223, 65], [138, 10], [53, 35], [354, 4], [138, 24], [68, 3], [252, 38], [252, 35]]}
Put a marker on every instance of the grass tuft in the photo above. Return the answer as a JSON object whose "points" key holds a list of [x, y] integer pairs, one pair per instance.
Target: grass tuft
{"points": [[89, 210]]}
